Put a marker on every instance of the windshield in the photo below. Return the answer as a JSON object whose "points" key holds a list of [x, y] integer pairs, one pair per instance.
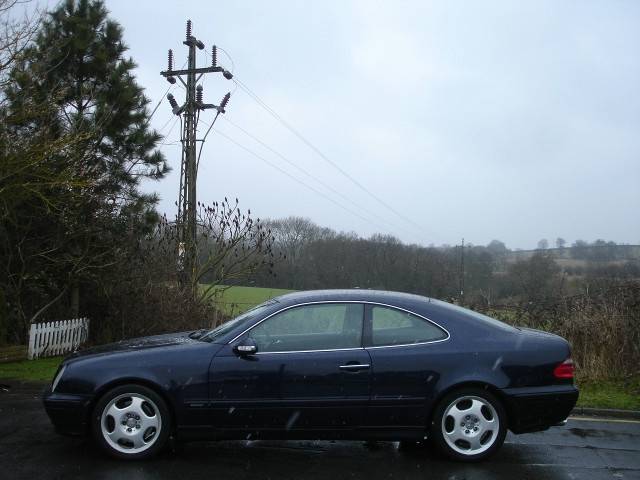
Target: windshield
{"points": [[246, 317]]}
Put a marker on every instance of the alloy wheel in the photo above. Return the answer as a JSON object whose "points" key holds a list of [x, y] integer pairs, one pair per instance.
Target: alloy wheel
{"points": [[130, 423], [470, 425]]}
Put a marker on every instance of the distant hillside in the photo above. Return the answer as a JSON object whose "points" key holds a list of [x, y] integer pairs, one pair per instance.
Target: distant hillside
{"points": [[610, 253], [577, 258]]}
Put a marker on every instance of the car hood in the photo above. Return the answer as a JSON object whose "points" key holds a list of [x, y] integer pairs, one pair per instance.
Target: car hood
{"points": [[140, 343]]}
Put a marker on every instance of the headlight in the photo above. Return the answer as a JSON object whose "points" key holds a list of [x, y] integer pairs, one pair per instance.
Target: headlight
{"points": [[57, 379]]}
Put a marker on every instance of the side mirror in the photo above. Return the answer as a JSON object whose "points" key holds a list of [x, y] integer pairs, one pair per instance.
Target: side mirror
{"points": [[246, 347]]}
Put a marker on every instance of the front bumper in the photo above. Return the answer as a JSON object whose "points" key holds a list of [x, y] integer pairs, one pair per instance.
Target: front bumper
{"points": [[532, 409], [68, 413]]}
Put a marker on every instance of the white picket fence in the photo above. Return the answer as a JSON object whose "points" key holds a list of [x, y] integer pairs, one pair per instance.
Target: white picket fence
{"points": [[56, 338]]}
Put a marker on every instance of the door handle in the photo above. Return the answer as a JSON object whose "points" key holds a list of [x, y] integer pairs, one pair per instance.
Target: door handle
{"points": [[355, 367]]}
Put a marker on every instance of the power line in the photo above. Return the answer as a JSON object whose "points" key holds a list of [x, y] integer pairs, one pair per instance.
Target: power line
{"points": [[160, 130], [284, 172], [233, 67], [274, 114], [159, 102], [175, 122], [220, 49], [311, 176]]}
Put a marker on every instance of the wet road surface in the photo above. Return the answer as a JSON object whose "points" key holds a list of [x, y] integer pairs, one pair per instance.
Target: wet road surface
{"points": [[583, 449]]}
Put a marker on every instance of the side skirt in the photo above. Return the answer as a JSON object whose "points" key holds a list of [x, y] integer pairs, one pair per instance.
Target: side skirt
{"points": [[398, 433]]}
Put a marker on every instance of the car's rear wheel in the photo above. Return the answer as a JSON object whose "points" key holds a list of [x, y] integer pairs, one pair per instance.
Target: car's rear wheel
{"points": [[469, 424], [131, 422]]}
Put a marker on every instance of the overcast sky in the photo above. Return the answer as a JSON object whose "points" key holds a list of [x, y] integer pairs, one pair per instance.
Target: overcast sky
{"points": [[509, 120]]}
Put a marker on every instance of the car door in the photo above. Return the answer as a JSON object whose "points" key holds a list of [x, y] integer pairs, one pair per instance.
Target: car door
{"points": [[405, 351], [310, 371]]}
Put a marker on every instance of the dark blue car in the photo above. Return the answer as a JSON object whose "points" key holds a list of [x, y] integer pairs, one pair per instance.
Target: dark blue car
{"points": [[333, 364]]}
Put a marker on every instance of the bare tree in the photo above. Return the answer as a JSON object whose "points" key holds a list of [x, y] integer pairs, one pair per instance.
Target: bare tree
{"points": [[231, 247], [292, 235]]}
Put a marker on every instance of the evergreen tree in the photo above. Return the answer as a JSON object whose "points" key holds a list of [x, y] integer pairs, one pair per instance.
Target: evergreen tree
{"points": [[76, 143], [79, 54]]}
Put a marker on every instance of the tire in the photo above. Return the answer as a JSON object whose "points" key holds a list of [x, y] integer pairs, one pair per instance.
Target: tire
{"points": [[469, 425], [131, 422]]}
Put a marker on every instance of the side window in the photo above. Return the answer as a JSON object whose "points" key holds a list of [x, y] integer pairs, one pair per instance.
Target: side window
{"points": [[395, 327], [311, 327]]}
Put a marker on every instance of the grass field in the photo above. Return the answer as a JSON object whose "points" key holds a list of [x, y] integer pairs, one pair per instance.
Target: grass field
{"points": [[621, 394], [42, 369], [235, 300]]}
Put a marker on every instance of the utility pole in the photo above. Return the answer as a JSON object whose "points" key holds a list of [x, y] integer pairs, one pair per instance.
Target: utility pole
{"points": [[189, 114], [462, 273]]}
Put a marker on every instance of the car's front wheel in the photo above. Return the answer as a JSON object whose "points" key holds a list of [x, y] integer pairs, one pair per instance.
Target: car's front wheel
{"points": [[469, 424], [131, 422]]}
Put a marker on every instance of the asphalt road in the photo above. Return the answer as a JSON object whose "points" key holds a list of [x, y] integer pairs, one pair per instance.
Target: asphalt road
{"points": [[583, 449]]}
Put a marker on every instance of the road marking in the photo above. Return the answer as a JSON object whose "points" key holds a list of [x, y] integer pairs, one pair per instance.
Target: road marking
{"points": [[604, 420]]}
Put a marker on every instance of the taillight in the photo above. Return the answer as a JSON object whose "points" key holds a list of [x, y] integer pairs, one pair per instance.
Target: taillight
{"points": [[564, 369]]}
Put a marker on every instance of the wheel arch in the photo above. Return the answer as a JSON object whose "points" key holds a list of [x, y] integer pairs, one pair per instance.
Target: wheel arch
{"points": [[495, 391], [103, 389]]}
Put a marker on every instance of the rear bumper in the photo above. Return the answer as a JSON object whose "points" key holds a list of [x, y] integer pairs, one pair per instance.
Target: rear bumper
{"points": [[532, 409], [68, 413]]}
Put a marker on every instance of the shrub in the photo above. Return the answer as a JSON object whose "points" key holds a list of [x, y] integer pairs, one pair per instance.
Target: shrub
{"points": [[603, 327]]}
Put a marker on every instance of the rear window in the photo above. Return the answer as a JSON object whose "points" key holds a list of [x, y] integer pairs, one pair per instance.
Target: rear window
{"points": [[396, 327], [478, 317]]}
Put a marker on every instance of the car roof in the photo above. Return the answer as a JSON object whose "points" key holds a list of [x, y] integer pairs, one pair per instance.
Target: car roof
{"points": [[352, 294], [409, 301], [445, 314]]}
